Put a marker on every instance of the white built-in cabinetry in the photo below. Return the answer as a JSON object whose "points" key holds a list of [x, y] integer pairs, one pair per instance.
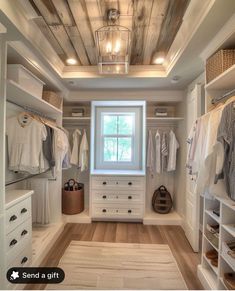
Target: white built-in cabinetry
{"points": [[18, 228], [17, 241], [117, 197], [104, 201], [210, 276]]}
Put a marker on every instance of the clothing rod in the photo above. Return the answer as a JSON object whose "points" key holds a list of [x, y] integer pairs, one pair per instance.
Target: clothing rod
{"points": [[214, 100], [28, 177], [26, 108]]}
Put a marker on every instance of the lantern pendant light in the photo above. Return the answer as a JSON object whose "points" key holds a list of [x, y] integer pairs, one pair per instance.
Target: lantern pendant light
{"points": [[113, 46]]}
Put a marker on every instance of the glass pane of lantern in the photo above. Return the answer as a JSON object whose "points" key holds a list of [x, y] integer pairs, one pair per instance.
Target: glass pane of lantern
{"points": [[113, 49], [113, 68]]}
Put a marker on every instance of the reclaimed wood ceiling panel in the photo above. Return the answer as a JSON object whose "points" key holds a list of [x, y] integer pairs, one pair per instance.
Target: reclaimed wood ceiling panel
{"points": [[70, 25]]}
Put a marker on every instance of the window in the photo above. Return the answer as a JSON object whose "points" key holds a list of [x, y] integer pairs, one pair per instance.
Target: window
{"points": [[118, 136]]}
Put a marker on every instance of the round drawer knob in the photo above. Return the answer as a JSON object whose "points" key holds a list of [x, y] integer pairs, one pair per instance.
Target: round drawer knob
{"points": [[104, 210], [116, 183], [24, 232], [129, 197], [13, 217], [23, 210], [24, 260], [13, 242], [129, 211], [117, 211], [104, 183], [104, 196], [130, 183], [117, 197]]}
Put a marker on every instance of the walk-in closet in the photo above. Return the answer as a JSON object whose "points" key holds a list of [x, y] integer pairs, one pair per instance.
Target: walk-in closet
{"points": [[117, 124]]}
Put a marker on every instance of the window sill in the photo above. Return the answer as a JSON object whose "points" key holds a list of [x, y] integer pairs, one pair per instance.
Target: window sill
{"points": [[118, 172]]}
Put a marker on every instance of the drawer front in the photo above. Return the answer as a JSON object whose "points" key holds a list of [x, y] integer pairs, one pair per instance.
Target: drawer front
{"points": [[24, 259], [17, 214], [117, 182], [105, 196], [117, 211], [18, 238]]}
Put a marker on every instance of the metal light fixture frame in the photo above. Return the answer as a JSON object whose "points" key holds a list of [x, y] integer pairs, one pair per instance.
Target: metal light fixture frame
{"points": [[109, 63]]}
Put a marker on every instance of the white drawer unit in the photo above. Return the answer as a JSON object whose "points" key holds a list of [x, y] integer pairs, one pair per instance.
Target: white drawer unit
{"points": [[116, 182], [118, 211], [17, 214], [18, 223], [22, 258], [117, 197], [18, 238]]}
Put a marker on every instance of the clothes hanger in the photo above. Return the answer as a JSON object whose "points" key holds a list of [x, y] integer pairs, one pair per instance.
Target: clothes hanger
{"points": [[24, 118]]}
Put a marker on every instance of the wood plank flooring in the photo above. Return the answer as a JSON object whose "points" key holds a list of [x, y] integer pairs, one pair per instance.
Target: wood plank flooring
{"points": [[174, 236]]}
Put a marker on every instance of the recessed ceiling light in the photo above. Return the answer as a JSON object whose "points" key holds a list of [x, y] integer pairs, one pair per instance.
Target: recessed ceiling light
{"points": [[175, 79], [159, 58], [159, 61], [71, 61]]}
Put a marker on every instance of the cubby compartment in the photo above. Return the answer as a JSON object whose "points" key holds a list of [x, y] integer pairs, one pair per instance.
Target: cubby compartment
{"points": [[228, 214], [225, 268], [211, 231], [213, 209], [228, 248], [207, 262]]}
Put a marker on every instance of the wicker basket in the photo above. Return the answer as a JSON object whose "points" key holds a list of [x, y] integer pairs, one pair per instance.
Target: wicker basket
{"points": [[52, 98], [218, 63]]}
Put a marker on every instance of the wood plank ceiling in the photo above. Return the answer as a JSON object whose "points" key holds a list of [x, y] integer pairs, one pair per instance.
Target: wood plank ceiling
{"points": [[70, 25]]}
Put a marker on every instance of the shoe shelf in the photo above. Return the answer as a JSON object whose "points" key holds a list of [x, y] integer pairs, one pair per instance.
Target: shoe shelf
{"points": [[222, 230], [215, 269], [213, 216]]}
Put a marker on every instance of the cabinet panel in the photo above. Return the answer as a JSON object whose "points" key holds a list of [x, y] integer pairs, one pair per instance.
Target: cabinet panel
{"points": [[17, 214], [114, 182], [114, 196], [117, 211], [18, 238]]}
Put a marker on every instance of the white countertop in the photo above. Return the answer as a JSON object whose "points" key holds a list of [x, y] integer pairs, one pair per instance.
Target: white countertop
{"points": [[15, 196]]}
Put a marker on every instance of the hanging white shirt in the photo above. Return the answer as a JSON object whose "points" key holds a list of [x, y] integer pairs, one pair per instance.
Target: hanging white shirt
{"points": [[60, 147], [75, 151], [150, 153], [158, 152], [25, 145], [84, 153], [173, 147]]}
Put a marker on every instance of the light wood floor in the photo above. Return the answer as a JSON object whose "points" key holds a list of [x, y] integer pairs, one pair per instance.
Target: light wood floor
{"points": [[129, 233]]}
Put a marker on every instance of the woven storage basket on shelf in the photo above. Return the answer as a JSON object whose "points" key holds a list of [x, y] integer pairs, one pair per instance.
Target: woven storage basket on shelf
{"points": [[218, 63], [52, 98]]}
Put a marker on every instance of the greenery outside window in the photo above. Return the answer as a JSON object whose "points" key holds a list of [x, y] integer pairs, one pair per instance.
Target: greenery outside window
{"points": [[118, 137]]}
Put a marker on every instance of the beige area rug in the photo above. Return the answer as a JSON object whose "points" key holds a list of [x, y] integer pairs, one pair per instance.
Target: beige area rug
{"points": [[98, 265]]}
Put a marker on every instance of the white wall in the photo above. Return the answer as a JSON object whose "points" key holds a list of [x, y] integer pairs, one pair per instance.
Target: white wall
{"points": [[114, 94]]}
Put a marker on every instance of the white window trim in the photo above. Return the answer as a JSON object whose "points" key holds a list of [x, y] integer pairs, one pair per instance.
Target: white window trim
{"points": [[127, 169]]}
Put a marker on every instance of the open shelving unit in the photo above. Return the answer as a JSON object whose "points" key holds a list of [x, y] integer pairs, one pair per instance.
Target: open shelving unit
{"points": [[83, 120], [169, 119], [18, 95], [215, 89], [210, 276], [225, 81]]}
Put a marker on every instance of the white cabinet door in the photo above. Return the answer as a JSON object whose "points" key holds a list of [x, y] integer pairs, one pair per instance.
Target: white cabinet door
{"points": [[192, 201]]}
